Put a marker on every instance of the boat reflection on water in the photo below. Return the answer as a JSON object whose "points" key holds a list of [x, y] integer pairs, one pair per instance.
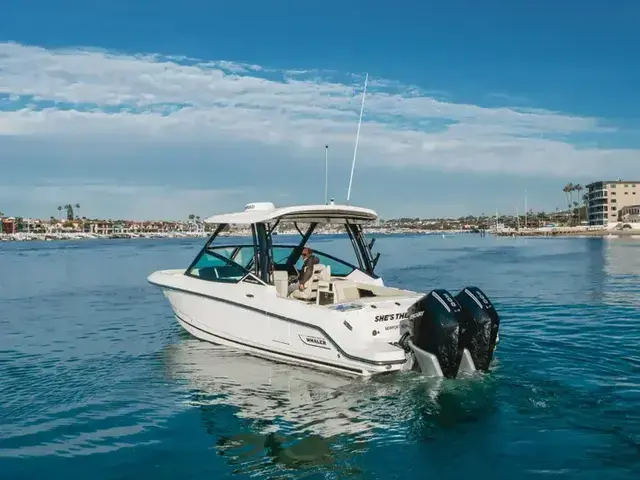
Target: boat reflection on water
{"points": [[294, 417]]}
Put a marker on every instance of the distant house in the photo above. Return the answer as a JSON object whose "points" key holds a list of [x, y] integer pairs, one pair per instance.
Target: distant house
{"points": [[99, 227], [9, 225]]}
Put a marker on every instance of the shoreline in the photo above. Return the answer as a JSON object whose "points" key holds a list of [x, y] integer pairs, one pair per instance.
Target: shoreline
{"points": [[67, 236], [629, 233], [70, 236]]}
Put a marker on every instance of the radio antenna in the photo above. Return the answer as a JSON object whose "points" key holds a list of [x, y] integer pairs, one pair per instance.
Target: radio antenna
{"points": [[355, 150], [326, 174]]}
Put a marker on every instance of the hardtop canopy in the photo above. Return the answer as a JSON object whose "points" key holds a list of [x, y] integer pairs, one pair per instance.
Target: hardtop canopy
{"points": [[264, 212]]}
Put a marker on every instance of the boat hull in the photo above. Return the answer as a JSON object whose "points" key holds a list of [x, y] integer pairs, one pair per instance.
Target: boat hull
{"points": [[253, 319], [264, 353]]}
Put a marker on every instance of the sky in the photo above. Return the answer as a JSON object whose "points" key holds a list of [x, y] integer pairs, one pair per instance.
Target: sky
{"points": [[158, 109]]}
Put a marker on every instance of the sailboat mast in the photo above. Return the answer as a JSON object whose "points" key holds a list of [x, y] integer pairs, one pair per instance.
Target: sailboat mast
{"points": [[525, 208]]}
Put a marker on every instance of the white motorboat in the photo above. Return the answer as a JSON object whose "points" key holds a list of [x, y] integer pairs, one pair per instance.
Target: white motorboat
{"points": [[345, 320]]}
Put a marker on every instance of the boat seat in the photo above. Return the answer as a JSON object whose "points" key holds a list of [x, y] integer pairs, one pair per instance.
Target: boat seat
{"points": [[321, 275], [346, 291]]}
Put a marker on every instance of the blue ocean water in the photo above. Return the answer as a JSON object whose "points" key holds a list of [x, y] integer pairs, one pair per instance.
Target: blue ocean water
{"points": [[98, 381]]}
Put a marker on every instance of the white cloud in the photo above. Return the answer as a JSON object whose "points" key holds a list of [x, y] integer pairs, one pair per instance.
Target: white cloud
{"points": [[170, 135], [78, 93]]}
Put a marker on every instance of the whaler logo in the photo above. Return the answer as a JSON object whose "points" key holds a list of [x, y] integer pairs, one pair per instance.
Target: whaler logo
{"points": [[314, 341], [397, 316]]}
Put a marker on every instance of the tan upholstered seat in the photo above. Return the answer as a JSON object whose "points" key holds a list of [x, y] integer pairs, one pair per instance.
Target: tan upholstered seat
{"points": [[321, 273]]}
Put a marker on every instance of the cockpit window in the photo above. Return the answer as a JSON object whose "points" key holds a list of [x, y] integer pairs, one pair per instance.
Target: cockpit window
{"points": [[339, 268], [214, 267]]}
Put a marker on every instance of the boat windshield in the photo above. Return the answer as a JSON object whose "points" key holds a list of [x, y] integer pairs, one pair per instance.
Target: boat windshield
{"points": [[232, 263], [215, 264]]}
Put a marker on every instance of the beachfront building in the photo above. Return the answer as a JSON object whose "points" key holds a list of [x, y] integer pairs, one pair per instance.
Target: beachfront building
{"points": [[629, 216], [606, 198]]}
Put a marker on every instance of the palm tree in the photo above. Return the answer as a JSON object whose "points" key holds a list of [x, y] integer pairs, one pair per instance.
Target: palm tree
{"points": [[571, 190], [59, 212], [568, 190], [578, 188], [191, 216], [77, 207], [69, 210]]}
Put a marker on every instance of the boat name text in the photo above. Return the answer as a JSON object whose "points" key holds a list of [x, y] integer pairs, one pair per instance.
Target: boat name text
{"points": [[397, 316]]}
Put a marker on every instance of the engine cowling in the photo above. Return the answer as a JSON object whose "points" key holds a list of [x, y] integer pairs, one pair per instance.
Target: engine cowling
{"points": [[479, 326], [435, 328]]}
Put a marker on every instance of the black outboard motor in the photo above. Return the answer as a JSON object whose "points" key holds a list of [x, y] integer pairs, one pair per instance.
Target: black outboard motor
{"points": [[479, 326], [436, 321]]}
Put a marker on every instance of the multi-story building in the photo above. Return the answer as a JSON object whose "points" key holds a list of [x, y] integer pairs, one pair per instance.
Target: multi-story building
{"points": [[606, 198]]}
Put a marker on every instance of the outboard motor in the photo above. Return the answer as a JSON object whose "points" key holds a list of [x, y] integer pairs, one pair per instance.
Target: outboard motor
{"points": [[479, 326], [435, 329]]}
